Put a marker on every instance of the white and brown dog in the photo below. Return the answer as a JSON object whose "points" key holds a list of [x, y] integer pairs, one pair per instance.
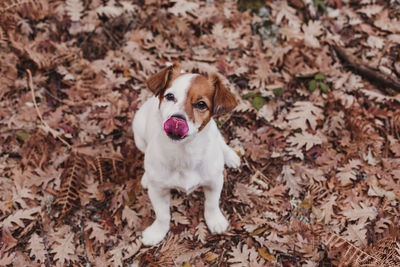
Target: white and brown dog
{"points": [[182, 145]]}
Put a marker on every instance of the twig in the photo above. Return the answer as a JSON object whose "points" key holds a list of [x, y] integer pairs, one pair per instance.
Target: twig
{"points": [[88, 264], [368, 72], [45, 243], [54, 132]]}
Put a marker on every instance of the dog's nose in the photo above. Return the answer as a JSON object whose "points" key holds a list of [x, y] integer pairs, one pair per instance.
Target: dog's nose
{"points": [[179, 116]]}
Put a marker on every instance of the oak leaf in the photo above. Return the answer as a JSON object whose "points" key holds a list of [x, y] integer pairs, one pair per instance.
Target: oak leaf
{"points": [[311, 32], [37, 248], [14, 221], [178, 218], [303, 112], [7, 241], [131, 217], [347, 174], [117, 255], [281, 10], [96, 232], [181, 7], [327, 208], [370, 10], [242, 193], [307, 140], [291, 180], [64, 249], [244, 256], [361, 213], [384, 22], [356, 233]]}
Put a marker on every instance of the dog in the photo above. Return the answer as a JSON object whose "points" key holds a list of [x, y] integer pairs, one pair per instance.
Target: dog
{"points": [[183, 147]]}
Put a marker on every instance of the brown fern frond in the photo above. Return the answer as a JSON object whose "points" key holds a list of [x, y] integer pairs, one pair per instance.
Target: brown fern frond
{"points": [[3, 37], [34, 9], [350, 254], [8, 5], [72, 178], [36, 150], [395, 124], [317, 191], [386, 251], [360, 127], [364, 130], [110, 168]]}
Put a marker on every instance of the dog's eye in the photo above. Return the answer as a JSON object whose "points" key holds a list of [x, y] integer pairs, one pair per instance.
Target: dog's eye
{"points": [[200, 105], [170, 97]]}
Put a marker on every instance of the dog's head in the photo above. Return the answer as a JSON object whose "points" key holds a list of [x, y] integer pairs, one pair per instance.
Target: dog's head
{"points": [[188, 101]]}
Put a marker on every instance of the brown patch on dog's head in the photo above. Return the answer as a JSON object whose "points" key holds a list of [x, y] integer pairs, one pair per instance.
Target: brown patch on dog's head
{"points": [[206, 98], [199, 101], [159, 82], [223, 101]]}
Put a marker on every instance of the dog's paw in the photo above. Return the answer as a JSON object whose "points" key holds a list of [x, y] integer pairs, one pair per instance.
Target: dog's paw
{"points": [[232, 160], [216, 222], [153, 234]]}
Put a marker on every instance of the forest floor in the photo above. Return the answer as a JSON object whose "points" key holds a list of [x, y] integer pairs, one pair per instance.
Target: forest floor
{"points": [[317, 128]]}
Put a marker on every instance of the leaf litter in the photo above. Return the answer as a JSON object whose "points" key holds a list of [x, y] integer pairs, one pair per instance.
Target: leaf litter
{"points": [[317, 129]]}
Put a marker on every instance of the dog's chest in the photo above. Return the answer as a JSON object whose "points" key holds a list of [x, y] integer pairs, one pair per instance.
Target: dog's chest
{"points": [[185, 172], [186, 181]]}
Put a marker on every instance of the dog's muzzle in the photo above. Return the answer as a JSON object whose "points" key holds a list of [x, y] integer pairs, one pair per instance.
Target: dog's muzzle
{"points": [[176, 127]]}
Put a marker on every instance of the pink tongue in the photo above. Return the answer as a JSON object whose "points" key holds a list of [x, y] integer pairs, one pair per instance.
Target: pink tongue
{"points": [[176, 126]]}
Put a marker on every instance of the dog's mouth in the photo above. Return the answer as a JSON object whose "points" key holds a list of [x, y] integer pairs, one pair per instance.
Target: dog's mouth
{"points": [[176, 127]]}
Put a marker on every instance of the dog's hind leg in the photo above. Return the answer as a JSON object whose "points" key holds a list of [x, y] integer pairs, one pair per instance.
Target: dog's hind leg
{"points": [[231, 159], [140, 143], [144, 181]]}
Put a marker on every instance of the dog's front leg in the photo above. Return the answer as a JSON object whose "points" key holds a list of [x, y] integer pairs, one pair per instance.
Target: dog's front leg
{"points": [[160, 199], [215, 220]]}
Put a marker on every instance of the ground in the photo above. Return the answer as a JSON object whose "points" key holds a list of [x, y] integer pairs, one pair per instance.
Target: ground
{"points": [[317, 128]]}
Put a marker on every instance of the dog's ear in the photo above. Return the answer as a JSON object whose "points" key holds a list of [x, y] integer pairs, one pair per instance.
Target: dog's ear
{"points": [[223, 101], [158, 82]]}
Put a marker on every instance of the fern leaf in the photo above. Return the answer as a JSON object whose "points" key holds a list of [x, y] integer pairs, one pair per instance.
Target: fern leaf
{"points": [[35, 9], [8, 5], [395, 123], [110, 168], [74, 9], [3, 37], [109, 11], [386, 251], [201, 232], [35, 151], [71, 184], [351, 254]]}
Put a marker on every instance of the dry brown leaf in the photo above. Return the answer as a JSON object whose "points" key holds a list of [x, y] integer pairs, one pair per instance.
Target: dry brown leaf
{"points": [[37, 248], [361, 213], [291, 180], [304, 113], [15, 220], [64, 249], [7, 241]]}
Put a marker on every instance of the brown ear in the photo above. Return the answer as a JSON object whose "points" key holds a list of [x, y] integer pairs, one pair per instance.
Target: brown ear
{"points": [[158, 82], [223, 101]]}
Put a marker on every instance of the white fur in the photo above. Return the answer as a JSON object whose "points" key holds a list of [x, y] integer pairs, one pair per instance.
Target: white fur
{"points": [[197, 160]]}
